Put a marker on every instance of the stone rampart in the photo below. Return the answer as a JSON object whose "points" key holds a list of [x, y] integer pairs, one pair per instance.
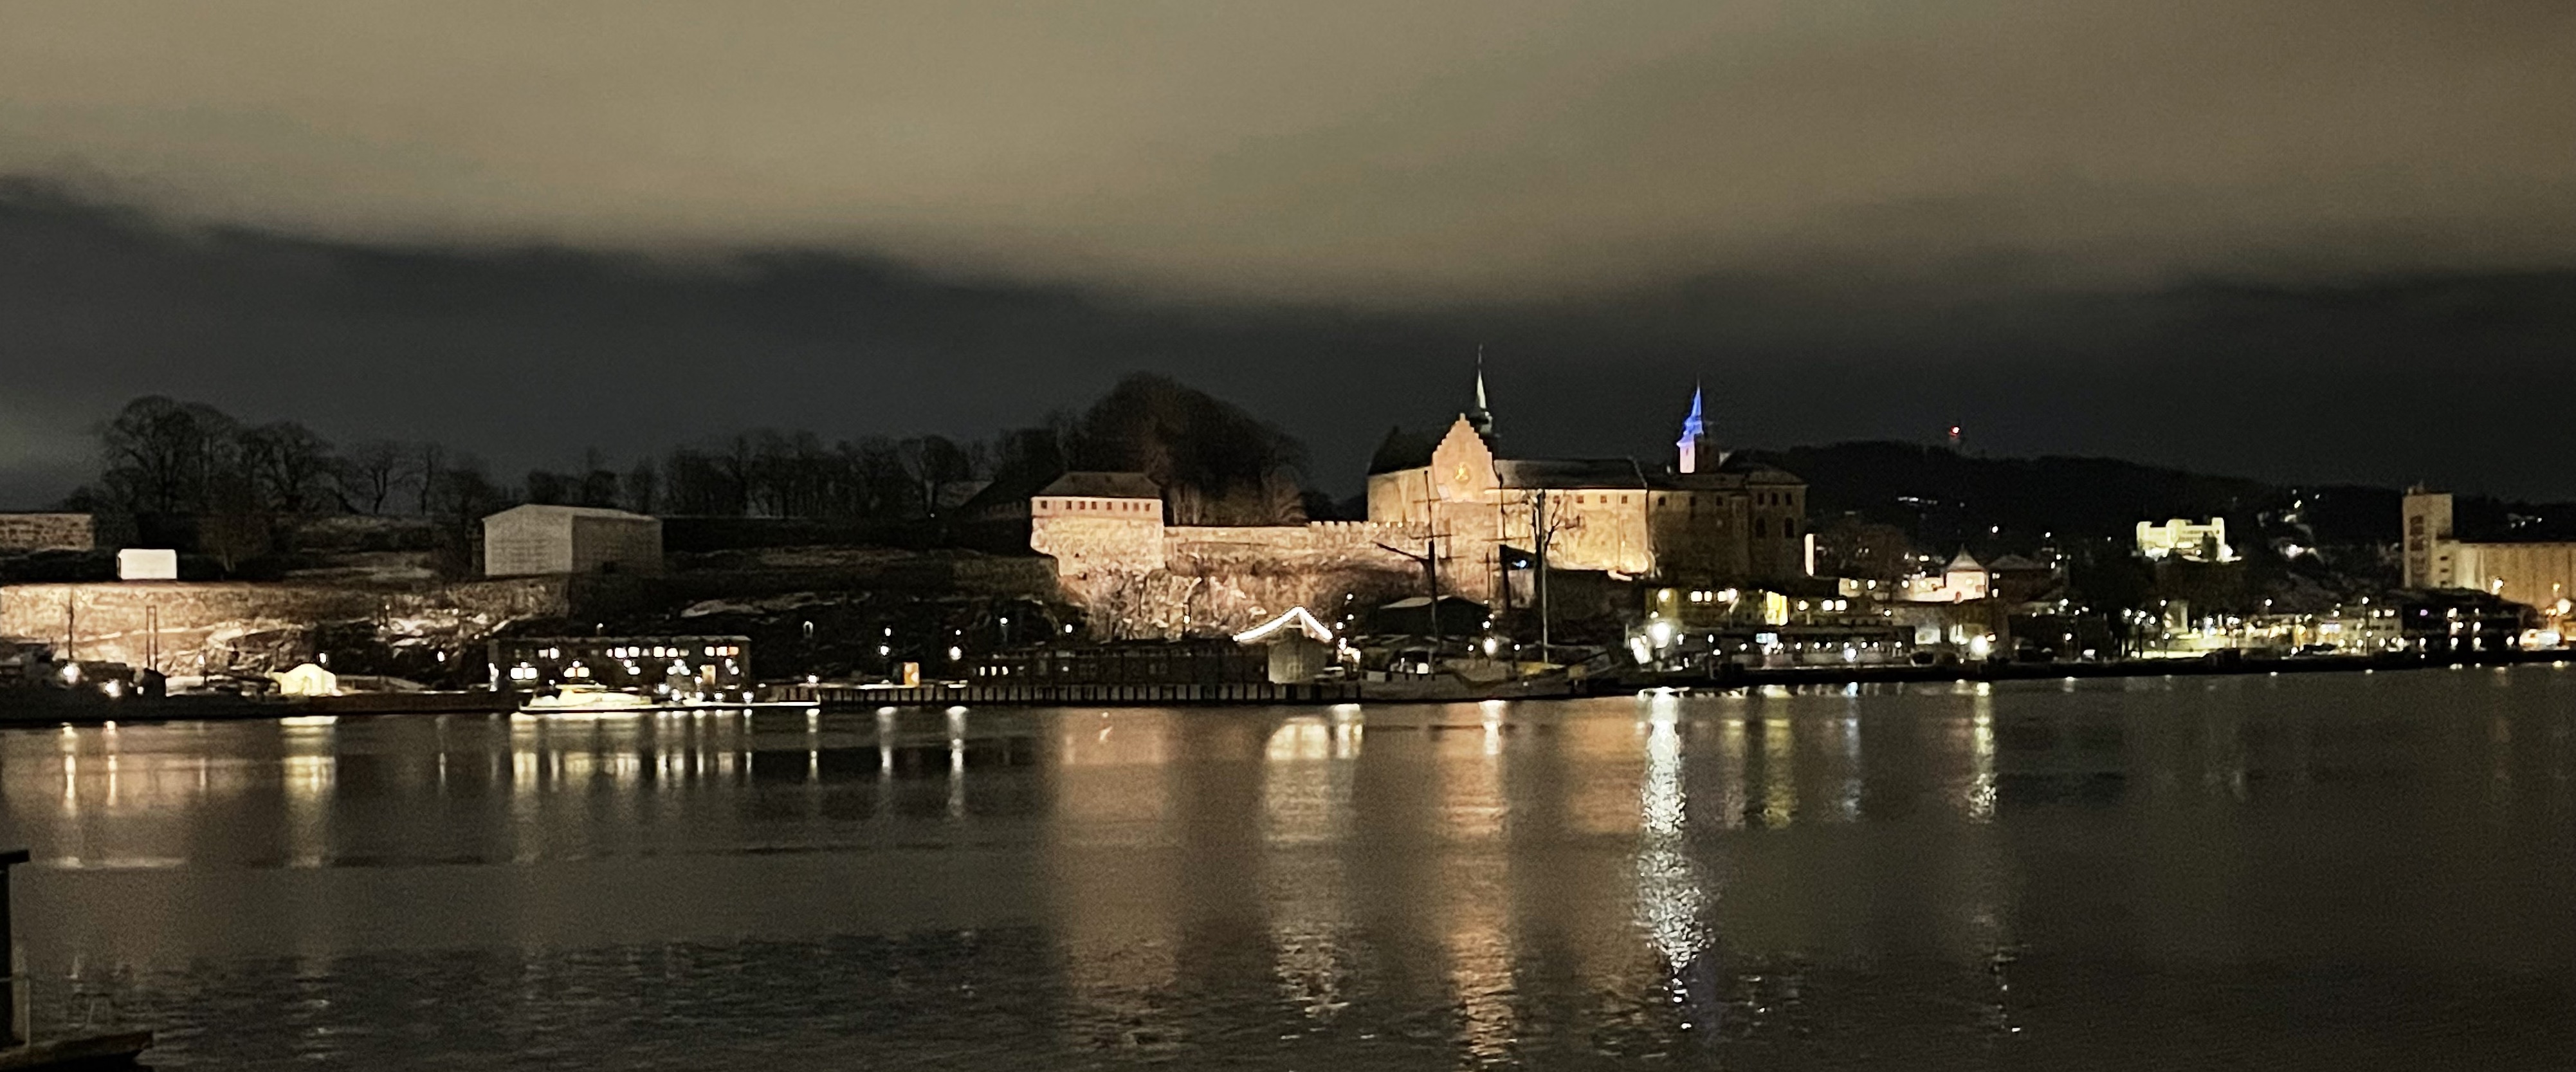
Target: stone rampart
{"points": [[47, 532], [1083, 545], [1207, 580]]}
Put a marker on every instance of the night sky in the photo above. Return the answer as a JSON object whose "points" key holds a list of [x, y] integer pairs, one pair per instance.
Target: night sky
{"points": [[2304, 240]]}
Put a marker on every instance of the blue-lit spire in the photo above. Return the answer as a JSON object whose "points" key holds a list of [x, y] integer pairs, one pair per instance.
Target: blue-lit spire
{"points": [[1697, 452]]}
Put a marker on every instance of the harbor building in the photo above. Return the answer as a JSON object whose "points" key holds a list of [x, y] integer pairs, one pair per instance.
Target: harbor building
{"points": [[709, 668], [2536, 574]]}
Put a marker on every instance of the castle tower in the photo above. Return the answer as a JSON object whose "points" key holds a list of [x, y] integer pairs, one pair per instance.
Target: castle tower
{"points": [[1699, 452]]}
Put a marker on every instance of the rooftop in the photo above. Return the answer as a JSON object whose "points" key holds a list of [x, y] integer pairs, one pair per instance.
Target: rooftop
{"points": [[1093, 485]]}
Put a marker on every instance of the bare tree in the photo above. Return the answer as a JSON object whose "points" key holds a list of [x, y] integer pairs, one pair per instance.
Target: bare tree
{"points": [[162, 454], [287, 465], [429, 466], [371, 474]]}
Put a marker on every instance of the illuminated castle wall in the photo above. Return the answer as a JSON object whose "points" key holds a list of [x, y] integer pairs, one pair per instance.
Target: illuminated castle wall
{"points": [[1708, 520], [1136, 577]]}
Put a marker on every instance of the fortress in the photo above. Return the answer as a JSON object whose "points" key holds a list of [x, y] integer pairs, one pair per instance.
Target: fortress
{"points": [[1477, 519]]}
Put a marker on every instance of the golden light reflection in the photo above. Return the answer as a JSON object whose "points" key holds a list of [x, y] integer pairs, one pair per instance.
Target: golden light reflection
{"points": [[1469, 766], [1779, 772], [1672, 897], [1481, 957], [1113, 878], [309, 777], [1979, 801], [1731, 798], [1307, 778]]}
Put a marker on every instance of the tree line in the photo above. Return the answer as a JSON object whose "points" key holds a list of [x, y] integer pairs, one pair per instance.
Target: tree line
{"points": [[1217, 463]]}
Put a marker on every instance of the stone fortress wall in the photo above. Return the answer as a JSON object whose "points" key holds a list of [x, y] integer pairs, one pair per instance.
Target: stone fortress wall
{"points": [[47, 532], [1141, 579]]}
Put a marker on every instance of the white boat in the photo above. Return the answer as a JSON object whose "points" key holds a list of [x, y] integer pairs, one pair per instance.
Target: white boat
{"points": [[587, 700]]}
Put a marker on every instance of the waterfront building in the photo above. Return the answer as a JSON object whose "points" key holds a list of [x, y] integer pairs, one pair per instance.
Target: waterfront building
{"points": [[2539, 574], [1221, 661], [675, 667], [536, 540]]}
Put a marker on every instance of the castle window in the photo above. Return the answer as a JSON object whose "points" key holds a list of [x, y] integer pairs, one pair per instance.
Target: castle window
{"points": [[1760, 528]]}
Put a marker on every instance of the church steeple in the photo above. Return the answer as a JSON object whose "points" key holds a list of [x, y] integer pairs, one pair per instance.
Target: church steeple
{"points": [[1481, 418], [1698, 450]]}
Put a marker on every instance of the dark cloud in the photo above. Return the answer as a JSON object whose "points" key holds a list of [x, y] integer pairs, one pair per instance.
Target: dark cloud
{"points": [[2293, 238], [1352, 150], [531, 356]]}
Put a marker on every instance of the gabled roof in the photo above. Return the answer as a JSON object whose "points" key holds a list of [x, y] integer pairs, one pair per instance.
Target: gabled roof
{"points": [[1103, 486], [550, 510], [1965, 563], [2016, 563], [1296, 621]]}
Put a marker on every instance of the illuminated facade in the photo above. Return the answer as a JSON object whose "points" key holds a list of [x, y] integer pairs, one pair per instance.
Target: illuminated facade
{"points": [[678, 667], [1964, 580], [1708, 520], [2541, 575], [2184, 539]]}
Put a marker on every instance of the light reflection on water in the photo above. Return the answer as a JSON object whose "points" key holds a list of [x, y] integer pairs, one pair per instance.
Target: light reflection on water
{"points": [[1926, 875]]}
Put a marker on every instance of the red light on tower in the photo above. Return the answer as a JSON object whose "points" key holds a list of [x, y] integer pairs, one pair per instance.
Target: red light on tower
{"points": [[1954, 437]]}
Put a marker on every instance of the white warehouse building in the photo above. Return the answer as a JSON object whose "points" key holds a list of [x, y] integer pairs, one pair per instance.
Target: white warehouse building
{"points": [[526, 541]]}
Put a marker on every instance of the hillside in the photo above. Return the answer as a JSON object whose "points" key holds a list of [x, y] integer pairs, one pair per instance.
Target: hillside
{"points": [[1946, 498]]}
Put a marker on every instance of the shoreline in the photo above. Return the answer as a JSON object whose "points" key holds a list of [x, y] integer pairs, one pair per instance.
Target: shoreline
{"points": [[35, 708]]}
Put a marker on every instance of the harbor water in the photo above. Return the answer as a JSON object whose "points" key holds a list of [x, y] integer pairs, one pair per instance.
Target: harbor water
{"points": [[2306, 872]]}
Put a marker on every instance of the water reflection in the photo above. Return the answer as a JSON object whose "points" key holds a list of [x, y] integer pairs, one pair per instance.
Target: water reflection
{"points": [[1672, 893], [1890, 871]]}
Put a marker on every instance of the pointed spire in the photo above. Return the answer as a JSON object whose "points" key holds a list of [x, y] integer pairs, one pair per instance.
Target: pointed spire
{"points": [[1699, 452], [1481, 418]]}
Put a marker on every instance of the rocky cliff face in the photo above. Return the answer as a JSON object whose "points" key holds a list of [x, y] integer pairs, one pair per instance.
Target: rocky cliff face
{"points": [[183, 628], [1212, 580]]}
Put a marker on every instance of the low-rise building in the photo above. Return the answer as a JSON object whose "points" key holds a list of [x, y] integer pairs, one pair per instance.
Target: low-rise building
{"points": [[1964, 580], [2185, 539], [536, 540], [713, 668]]}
